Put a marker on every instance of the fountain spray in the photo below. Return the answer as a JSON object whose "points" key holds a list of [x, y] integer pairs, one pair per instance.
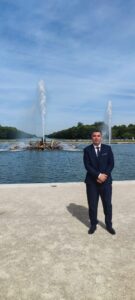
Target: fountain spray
{"points": [[109, 114], [107, 124], [42, 99]]}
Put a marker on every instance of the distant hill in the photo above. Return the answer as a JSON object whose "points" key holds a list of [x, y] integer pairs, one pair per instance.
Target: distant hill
{"points": [[82, 131], [7, 132]]}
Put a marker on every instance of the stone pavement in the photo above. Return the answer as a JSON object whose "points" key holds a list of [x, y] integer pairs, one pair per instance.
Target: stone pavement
{"points": [[46, 252]]}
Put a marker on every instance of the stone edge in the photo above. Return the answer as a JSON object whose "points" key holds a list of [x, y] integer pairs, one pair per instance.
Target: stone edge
{"points": [[54, 184]]}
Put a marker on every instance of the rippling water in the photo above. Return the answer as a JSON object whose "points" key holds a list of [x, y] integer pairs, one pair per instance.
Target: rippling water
{"points": [[59, 166]]}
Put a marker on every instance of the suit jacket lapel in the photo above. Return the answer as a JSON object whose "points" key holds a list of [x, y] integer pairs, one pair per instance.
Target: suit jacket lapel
{"points": [[93, 153]]}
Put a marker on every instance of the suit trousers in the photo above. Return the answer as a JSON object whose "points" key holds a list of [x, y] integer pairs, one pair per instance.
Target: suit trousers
{"points": [[94, 190]]}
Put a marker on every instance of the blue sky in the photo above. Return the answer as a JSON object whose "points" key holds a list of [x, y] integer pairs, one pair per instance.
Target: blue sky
{"points": [[84, 50]]}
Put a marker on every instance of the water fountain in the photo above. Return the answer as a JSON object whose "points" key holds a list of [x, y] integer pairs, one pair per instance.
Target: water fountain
{"points": [[42, 101], [38, 143], [43, 144], [107, 127], [109, 114]]}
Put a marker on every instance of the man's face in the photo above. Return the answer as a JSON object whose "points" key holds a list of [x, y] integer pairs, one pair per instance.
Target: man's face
{"points": [[96, 138]]}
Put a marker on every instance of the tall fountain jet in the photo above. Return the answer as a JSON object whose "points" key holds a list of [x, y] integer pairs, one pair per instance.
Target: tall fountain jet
{"points": [[42, 100], [107, 124], [109, 117]]}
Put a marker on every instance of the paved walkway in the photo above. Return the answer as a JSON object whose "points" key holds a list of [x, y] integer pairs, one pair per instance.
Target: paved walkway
{"points": [[46, 252]]}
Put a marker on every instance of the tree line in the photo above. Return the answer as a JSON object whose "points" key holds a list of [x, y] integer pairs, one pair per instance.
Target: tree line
{"points": [[82, 131], [7, 132]]}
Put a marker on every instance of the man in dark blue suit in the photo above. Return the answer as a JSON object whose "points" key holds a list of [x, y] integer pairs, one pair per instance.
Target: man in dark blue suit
{"points": [[99, 162]]}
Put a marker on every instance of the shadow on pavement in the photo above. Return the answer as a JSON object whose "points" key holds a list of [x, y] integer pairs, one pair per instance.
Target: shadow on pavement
{"points": [[81, 213]]}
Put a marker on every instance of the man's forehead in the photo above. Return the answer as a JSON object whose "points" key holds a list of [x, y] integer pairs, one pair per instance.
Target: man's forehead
{"points": [[97, 133]]}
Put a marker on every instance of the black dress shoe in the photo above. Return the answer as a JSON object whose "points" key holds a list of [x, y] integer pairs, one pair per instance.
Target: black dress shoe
{"points": [[111, 230], [92, 229]]}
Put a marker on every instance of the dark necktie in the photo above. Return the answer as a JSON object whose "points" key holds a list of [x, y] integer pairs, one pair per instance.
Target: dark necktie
{"points": [[98, 151]]}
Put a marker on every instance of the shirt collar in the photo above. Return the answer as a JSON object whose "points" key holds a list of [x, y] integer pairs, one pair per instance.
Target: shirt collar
{"points": [[99, 146]]}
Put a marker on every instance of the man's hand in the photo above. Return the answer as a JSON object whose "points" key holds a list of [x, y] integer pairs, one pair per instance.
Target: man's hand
{"points": [[102, 178], [99, 181]]}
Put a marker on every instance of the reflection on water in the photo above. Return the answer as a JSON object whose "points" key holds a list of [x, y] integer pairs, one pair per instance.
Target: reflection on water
{"points": [[59, 166]]}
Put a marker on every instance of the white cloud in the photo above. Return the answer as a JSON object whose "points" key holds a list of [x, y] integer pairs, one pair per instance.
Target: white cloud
{"points": [[81, 52]]}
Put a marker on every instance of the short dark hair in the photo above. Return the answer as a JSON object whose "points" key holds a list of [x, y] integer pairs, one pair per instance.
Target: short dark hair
{"points": [[95, 130]]}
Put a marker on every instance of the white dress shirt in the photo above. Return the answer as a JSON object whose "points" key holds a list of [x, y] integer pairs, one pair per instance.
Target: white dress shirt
{"points": [[95, 147]]}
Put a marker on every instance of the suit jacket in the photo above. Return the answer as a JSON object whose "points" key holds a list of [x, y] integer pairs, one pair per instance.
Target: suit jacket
{"points": [[96, 165]]}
